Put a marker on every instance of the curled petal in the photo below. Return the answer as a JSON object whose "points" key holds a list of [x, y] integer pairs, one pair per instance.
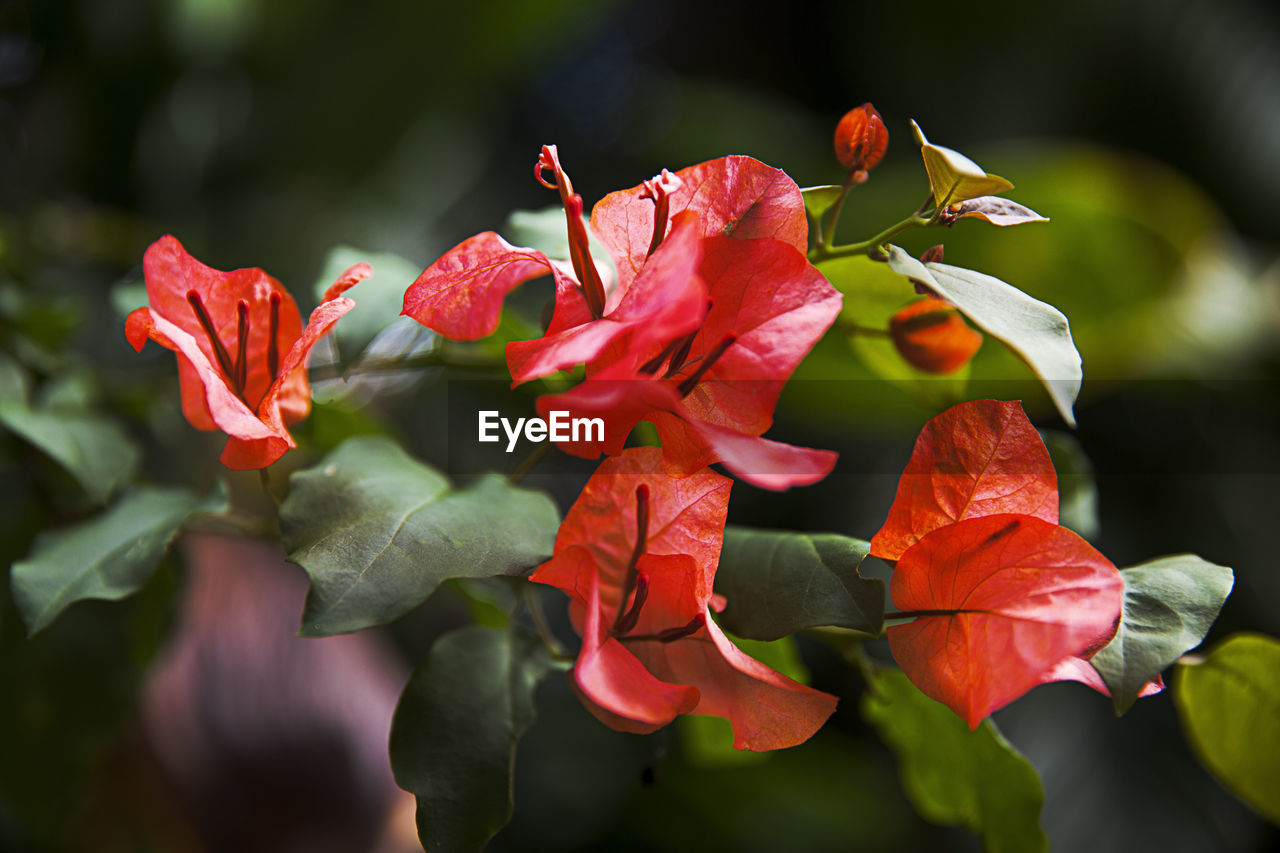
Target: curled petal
{"points": [[461, 294], [615, 681], [766, 709]]}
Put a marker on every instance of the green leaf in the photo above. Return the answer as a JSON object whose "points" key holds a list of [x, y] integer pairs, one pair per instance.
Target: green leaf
{"points": [[818, 200], [377, 531], [955, 776], [92, 448], [1230, 709], [1077, 490], [1169, 605], [1035, 331], [13, 381], [454, 734], [954, 177], [109, 556], [777, 583]]}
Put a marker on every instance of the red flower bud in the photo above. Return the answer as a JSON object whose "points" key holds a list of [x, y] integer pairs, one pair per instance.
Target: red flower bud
{"points": [[860, 141], [932, 336]]}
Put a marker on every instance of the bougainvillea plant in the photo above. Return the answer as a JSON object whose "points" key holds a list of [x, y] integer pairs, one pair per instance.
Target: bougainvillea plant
{"points": [[680, 309]]}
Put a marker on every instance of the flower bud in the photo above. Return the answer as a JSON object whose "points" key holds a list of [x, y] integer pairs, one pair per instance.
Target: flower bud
{"points": [[860, 141], [932, 336]]}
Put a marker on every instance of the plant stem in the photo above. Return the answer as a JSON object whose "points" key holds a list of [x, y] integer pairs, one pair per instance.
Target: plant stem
{"points": [[529, 461], [827, 235], [870, 247], [540, 622], [851, 328], [266, 486]]}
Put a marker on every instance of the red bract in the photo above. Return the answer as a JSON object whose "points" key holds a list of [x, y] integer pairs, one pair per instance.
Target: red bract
{"points": [[637, 554], [241, 348], [652, 232], [712, 394], [978, 458], [1002, 601]]}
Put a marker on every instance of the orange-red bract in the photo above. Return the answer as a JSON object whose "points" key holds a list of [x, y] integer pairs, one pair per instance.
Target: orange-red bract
{"points": [[241, 348], [461, 294], [650, 648], [1005, 599], [978, 458], [861, 140], [932, 336], [713, 398]]}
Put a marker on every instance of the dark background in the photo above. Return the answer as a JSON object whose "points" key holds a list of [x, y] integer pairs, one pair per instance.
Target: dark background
{"points": [[264, 133]]}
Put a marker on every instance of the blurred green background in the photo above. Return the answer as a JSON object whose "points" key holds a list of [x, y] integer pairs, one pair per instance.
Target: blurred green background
{"points": [[265, 132]]}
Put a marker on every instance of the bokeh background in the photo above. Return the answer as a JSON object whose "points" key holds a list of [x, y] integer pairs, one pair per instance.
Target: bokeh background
{"points": [[266, 132]]}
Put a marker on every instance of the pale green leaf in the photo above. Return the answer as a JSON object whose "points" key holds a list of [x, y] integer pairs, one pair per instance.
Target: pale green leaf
{"points": [[1035, 331]]}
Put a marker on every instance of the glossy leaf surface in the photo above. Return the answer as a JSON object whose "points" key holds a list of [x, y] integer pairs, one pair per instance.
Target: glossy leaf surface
{"points": [[1169, 606], [976, 779], [454, 735], [377, 531], [1005, 599], [1035, 331], [979, 458], [777, 583], [1229, 703]]}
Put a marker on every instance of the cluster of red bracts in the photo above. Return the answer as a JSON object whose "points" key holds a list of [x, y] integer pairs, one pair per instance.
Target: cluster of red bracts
{"points": [[707, 307], [1003, 597], [204, 315], [637, 555]]}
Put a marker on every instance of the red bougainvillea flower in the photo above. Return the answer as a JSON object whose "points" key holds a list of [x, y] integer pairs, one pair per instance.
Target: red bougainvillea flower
{"points": [[978, 458], [241, 347], [860, 141], [712, 394], [637, 554], [1002, 597], [652, 233], [932, 336], [1001, 602]]}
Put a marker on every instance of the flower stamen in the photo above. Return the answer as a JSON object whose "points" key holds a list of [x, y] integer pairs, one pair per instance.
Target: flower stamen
{"points": [[633, 574], [242, 347], [629, 619], [273, 351], [660, 188], [219, 351], [691, 381], [670, 635]]}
